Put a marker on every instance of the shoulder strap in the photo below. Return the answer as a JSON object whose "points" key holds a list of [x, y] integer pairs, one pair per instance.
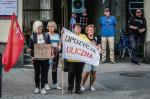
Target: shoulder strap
{"points": [[47, 38], [33, 37]]}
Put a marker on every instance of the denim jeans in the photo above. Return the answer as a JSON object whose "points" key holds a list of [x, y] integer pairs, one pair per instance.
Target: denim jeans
{"points": [[134, 42]]}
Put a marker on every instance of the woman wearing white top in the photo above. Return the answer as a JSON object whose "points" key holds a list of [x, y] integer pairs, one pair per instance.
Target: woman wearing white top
{"points": [[40, 65]]}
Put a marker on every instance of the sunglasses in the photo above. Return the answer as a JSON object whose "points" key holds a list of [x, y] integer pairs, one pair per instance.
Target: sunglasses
{"points": [[106, 11], [51, 26], [139, 12]]}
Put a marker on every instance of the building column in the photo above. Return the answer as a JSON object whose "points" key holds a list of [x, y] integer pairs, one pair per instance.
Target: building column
{"points": [[118, 10], [147, 39]]}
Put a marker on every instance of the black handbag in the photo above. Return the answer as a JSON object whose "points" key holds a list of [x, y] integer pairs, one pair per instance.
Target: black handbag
{"points": [[66, 67]]}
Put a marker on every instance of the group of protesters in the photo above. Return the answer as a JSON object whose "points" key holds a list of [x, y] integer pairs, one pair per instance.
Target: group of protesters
{"points": [[78, 71], [41, 66]]}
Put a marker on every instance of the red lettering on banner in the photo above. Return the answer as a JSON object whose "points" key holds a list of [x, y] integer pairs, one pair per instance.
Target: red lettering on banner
{"points": [[79, 51]]}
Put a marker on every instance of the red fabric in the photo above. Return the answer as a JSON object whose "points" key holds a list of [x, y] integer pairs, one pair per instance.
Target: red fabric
{"points": [[14, 45]]}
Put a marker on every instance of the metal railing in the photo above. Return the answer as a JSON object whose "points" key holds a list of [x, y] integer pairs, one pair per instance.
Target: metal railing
{"points": [[134, 6], [30, 15]]}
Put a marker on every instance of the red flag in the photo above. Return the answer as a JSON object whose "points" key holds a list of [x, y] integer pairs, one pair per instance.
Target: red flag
{"points": [[14, 45]]}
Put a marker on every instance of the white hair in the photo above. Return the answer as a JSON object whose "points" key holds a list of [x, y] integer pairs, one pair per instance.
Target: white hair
{"points": [[36, 26]]}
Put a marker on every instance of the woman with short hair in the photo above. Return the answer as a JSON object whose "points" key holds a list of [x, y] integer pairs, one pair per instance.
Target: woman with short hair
{"points": [[56, 45], [90, 69], [40, 65]]}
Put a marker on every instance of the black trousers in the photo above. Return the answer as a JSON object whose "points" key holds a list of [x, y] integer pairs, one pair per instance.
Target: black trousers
{"points": [[54, 68], [55, 62], [40, 70], [75, 74]]}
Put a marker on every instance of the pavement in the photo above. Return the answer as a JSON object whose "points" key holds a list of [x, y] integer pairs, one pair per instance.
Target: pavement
{"points": [[122, 80]]}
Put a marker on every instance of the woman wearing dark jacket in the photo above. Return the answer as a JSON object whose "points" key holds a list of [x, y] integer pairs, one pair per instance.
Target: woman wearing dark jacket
{"points": [[40, 65]]}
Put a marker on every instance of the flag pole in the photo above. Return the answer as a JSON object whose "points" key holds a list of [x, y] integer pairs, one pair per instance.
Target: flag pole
{"points": [[0, 75], [62, 76]]}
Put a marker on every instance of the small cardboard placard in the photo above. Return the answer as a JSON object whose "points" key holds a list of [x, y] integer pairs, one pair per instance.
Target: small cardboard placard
{"points": [[43, 51]]}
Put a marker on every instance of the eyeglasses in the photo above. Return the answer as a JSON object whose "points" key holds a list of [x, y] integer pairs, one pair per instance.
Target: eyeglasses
{"points": [[40, 29], [138, 12], [51, 26], [106, 11]]}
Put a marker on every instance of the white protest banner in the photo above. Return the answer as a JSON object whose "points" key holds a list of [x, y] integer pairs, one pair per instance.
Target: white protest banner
{"points": [[76, 49]]}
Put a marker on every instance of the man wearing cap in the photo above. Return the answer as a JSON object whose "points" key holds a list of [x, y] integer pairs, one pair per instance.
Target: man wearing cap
{"points": [[108, 32]]}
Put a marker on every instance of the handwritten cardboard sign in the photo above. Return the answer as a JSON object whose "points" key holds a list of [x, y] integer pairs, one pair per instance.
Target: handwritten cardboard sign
{"points": [[43, 51]]}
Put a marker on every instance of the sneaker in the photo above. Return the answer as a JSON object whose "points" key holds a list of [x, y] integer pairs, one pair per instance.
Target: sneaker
{"points": [[103, 61], [92, 88], [78, 92], [69, 92], [82, 88], [112, 61], [56, 86], [37, 90], [47, 87], [135, 62], [43, 91]]}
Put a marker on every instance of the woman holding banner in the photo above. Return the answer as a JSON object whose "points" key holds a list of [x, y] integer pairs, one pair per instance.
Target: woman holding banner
{"points": [[40, 65], [87, 67], [75, 66], [56, 45]]}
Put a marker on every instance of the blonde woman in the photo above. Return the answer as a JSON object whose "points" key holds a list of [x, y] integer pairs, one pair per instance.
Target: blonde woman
{"points": [[55, 41], [40, 65], [90, 69]]}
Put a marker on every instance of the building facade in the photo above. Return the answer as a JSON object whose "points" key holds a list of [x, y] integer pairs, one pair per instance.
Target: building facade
{"points": [[60, 11]]}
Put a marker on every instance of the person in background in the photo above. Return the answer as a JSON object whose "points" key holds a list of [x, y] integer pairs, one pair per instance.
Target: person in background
{"points": [[136, 32], [72, 22], [75, 66], [108, 32], [90, 69], [40, 65], [83, 21], [56, 45]]}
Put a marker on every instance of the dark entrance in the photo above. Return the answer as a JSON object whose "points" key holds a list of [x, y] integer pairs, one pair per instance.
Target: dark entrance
{"points": [[131, 5], [90, 10]]}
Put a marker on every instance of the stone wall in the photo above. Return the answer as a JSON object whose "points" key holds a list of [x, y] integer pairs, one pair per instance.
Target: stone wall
{"points": [[147, 41], [147, 52]]}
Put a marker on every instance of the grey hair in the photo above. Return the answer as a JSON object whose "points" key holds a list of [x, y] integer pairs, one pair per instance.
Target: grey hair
{"points": [[36, 26], [53, 23]]}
